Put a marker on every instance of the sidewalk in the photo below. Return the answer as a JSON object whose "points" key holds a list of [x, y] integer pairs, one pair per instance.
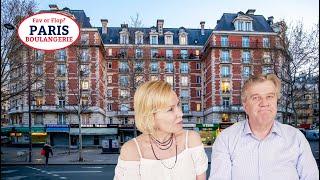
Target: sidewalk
{"points": [[13, 156]]}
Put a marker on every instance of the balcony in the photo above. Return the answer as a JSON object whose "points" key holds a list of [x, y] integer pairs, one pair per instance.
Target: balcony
{"points": [[246, 60], [123, 70], [225, 59], [240, 44], [61, 57], [226, 75]]}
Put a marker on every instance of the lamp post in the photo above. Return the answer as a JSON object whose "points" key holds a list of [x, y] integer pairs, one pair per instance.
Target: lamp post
{"points": [[9, 26]]}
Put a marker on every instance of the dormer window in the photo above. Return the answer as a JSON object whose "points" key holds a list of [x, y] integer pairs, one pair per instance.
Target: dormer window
{"points": [[153, 36], [183, 37], [138, 37], [243, 23], [168, 38], [124, 38]]}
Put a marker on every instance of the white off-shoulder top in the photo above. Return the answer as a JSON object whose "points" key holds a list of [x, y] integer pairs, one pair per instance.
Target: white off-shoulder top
{"points": [[190, 163]]}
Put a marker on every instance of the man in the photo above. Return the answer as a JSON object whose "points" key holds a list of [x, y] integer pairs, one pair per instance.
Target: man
{"points": [[47, 148], [260, 147]]}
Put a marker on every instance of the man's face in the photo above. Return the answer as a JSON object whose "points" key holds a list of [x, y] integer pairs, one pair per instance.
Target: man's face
{"points": [[169, 119], [261, 102]]}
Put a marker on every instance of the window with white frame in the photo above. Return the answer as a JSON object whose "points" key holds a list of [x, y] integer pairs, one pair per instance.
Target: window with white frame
{"points": [[198, 79], [225, 56], [138, 66], [124, 93], [84, 55], [85, 118], [154, 39], [139, 53], [38, 70], [139, 37], [62, 118], [184, 53], [109, 79], [266, 42], [184, 68], [168, 39], [84, 69], [224, 41], [62, 102], [61, 55], [184, 80], [154, 78], [124, 107], [61, 85], [169, 79], [246, 71], [39, 55], [84, 39], [184, 93], [169, 67], [225, 87], [124, 38], [124, 81], [225, 71], [248, 26], [169, 53], [198, 66], [267, 70], [124, 67], [109, 107], [225, 102], [154, 53], [110, 52], [246, 56], [85, 85], [139, 80], [109, 92], [198, 92], [61, 69], [85, 100], [154, 67], [183, 39], [245, 41], [185, 107]]}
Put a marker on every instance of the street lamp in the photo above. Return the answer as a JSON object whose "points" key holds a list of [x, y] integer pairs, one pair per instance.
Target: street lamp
{"points": [[9, 26]]}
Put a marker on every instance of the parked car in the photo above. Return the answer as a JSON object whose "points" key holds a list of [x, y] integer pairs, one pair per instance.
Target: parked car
{"points": [[312, 134]]}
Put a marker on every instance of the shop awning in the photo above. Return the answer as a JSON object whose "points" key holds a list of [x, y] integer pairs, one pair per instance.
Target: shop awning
{"points": [[94, 131], [57, 129], [26, 129], [6, 129]]}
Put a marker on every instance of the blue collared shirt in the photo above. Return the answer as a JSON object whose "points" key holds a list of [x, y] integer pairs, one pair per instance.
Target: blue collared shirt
{"points": [[284, 154]]}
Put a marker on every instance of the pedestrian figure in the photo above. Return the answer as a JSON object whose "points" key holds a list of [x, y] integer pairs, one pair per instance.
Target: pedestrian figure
{"points": [[47, 148]]}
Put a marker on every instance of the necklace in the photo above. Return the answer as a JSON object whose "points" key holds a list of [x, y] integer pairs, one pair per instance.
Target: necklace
{"points": [[162, 145], [175, 162]]}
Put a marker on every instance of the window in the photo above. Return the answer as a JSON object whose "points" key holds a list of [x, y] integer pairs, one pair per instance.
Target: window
{"points": [[266, 70], [184, 93], [225, 87], [84, 39], [198, 66], [139, 38], [109, 65], [124, 81], [197, 53], [154, 39], [184, 81], [109, 107], [266, 43], [110, 52], [139, 53], [138, 80], [61, 85], [198, 92], [246, 71], [38, 85], [109, 92], [39, 101], [124, 93], [248, 26], [245, 41], [61, 55], [169, 67], [224, 41], [123, 53], [169, 79], [124, 107], [62, 118], [85, 85], [168, 39], [84, 70], [183, 40], [226, 102], [39, 55], [124, 67], [124, 38], [169, 53], [225, 71], [240, 25], [184, 53], [154, 53], [198, 79], [185, 107], [246, 56], [62, 102], [84, 55], [139, 66], [61, 69], [225, 57], [198, 108], [38, 119], [85, 118], [38, 70], [184, 68], [109, 79], [154, 67]]}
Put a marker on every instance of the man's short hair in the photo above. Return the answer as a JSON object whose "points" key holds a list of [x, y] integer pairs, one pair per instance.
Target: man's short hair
{"points": [[258, 79], [148, 99]]}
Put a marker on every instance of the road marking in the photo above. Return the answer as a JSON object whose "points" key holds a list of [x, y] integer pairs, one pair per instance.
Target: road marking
{"points": [[8, 171], [16, 177], [94, 167], [63, 178], [66, 172], [55, 175]]}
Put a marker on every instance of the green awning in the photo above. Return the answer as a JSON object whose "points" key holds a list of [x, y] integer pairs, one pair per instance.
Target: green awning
{"points": [[6, 129], [33, 129]]}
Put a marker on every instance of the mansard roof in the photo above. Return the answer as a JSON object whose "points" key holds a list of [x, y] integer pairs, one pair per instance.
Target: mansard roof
{"points": [[194, 35], [259, 23]]}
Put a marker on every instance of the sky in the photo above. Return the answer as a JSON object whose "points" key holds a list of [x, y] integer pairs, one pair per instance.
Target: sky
{"points": [[188, 13]]}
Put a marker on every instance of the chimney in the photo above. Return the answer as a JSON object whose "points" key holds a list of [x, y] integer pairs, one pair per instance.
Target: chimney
{"points": [[53, 7], [270, 20], [202, 27], [104, 23], [250, 11], [124, 26], [160, 26]]}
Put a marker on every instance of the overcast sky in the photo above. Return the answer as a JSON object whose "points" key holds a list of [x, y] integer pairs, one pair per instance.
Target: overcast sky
{"points": [[188, 13]]}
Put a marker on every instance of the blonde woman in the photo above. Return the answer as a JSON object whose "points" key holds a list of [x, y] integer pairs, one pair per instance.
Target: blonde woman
{"points": [[164, 150]]}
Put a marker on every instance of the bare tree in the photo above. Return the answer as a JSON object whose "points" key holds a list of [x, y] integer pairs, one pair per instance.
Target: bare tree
{"points": [[12, 11], [300, 55]]}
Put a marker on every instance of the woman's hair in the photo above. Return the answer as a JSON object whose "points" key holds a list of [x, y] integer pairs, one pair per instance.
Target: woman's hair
{"points": [[149, 98], [258, 79]]}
